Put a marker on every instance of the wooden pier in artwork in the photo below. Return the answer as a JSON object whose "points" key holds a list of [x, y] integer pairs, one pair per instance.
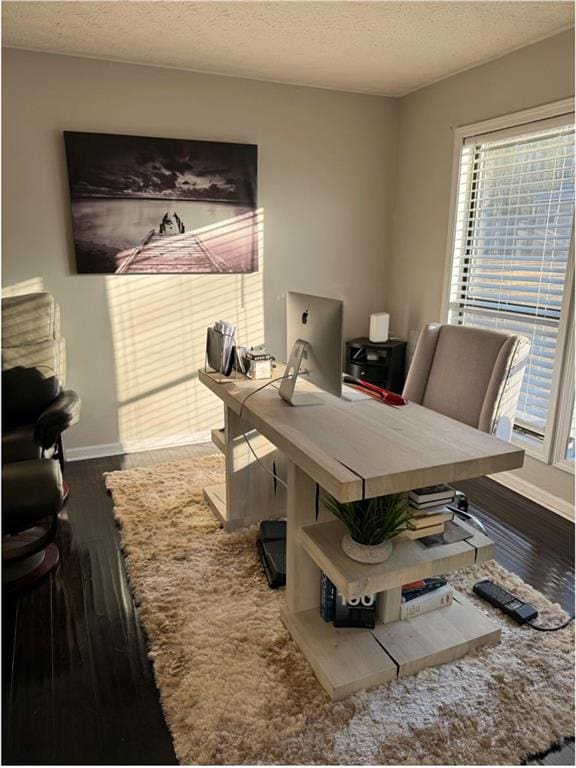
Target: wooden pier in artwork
{"points": [[170, 254]]}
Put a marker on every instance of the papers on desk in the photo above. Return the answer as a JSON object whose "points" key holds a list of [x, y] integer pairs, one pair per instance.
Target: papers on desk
{"points": [[351, 394]]}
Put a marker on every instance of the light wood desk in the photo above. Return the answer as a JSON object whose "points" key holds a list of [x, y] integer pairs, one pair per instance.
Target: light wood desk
{"points": [[354, 450]]}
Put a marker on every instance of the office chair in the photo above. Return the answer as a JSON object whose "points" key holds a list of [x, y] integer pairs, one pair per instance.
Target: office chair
{"points": [[472, 375]]}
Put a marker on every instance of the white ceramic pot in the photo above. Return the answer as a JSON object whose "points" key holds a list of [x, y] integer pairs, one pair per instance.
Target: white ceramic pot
{"points": [[367, 553]]}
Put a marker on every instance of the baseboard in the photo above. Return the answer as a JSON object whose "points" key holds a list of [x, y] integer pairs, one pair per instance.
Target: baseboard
{"points": [[534, 493], [94, 451], [135, 446], [156, 443]]}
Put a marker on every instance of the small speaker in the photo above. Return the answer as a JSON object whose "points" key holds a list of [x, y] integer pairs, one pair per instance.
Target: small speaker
{"points": [[379, 327]]}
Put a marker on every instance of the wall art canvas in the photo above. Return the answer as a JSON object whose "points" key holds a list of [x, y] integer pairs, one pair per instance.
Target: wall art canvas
{"points": [[145, 205]]}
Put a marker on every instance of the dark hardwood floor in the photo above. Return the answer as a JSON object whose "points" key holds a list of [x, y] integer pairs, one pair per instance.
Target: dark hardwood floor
{"points": [[78, 686], [531, 541]]}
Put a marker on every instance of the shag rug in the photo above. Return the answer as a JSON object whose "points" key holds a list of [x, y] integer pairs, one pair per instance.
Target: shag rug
{"points": [[236, 689]]}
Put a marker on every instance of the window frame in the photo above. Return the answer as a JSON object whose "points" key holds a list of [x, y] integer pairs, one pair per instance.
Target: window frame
{"points": [[552, 450]]}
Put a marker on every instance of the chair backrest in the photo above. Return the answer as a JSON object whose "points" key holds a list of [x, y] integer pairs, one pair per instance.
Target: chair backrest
{"points": [[31, 335], [470, 374]]}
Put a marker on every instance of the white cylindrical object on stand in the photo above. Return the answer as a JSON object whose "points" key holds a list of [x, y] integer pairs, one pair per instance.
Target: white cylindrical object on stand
{"points": [[379, 327]]}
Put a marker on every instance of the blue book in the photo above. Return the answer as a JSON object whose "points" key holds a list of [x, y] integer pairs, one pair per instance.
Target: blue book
{"points": [[327, 598]]}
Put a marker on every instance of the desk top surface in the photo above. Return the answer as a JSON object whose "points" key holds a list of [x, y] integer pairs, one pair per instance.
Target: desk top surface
{"points": [[365, 448]]}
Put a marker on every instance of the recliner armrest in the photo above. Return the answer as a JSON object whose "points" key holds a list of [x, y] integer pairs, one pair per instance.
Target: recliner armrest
{"points": [[57, 417]]}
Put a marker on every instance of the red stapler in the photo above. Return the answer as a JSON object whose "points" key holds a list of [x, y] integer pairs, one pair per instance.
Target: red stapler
{"points": [[390, 398]]}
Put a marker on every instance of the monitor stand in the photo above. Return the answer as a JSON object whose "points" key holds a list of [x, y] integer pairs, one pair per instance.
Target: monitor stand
{"points": [[288, 385]]}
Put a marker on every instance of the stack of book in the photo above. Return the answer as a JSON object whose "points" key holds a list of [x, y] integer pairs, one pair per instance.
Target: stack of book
{"points": [[425, 595], [430, 513]]}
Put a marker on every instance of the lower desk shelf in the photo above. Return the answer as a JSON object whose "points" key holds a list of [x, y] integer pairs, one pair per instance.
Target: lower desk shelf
{"points": [[410, 560], [349, 660], [215, 496]]}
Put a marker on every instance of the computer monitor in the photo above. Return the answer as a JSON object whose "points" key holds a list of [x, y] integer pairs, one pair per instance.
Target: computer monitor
{"points": [[316, 321]]}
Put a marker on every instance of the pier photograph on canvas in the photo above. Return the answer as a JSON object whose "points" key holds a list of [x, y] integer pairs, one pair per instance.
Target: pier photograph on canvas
{"points": [[146, 205]]}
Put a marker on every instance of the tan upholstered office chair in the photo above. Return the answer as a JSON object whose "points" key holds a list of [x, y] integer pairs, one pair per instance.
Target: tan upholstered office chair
{"points": [[470, 374]]}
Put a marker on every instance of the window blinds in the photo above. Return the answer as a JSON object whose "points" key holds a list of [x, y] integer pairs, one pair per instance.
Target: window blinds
{"points": [[514, 223]]}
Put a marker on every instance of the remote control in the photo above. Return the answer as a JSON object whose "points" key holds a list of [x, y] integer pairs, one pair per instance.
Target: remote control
{"points": [[516, 609]]}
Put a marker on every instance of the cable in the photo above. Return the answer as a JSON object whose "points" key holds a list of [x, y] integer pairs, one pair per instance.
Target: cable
{"points": [[268, 383], [245, 436], [259, 389], [551, 629], [259, 460]]}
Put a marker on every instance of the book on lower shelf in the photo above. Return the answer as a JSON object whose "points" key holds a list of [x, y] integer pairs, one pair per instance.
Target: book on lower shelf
{"points": [[429, 601], [443, 515], [428, 507], [327, 598], [358, 612], [420, 533], [432, 493], [421, 587]]}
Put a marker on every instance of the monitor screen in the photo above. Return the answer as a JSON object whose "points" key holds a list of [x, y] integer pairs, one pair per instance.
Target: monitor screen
{"points": [[317, 321]]}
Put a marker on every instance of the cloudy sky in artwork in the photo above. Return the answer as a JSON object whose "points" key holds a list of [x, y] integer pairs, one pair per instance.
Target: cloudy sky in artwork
{"points": [[115, 166]]}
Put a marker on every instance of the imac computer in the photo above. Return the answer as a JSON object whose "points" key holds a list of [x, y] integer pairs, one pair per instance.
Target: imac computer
{"points": [[314, 335]]}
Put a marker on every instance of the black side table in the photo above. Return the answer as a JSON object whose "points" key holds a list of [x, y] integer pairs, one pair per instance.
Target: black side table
{"points": [[379, 363]]}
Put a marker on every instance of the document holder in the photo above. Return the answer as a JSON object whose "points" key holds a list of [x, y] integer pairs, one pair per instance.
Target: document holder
{"points": [[219, 351]]}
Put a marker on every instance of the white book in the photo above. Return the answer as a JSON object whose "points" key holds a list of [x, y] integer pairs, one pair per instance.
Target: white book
{"points": [[428, 504], [439, 598], [437, 509]]}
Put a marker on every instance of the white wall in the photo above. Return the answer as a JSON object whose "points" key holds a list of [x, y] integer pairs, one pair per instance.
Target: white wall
{"points": [[336, 222], [326, 162], [534, 75]]}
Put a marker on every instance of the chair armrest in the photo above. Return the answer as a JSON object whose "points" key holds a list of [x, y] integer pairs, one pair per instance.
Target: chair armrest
{"points": [[58, 416]]}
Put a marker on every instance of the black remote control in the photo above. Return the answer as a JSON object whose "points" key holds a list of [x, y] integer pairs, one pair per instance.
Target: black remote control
{"points": [[516, 609]]}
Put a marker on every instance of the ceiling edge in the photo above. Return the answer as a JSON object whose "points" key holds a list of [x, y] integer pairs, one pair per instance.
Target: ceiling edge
{"points": [[562, 29], [209, 73], [213, 73]]}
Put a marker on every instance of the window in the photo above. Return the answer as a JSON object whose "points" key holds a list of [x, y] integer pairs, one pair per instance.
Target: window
{"points": [[512, 257], [569, 453]]}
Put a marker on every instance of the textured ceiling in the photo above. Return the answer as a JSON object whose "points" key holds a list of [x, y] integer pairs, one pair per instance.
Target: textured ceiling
{"points": [[387, 48]]}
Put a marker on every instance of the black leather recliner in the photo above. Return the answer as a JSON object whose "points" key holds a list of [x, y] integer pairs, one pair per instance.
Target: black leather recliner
{"points": [[35, 412], [32, 497]]}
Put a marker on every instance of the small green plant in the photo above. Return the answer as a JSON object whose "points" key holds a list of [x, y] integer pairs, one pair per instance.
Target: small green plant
{"points": [[372, 521]]}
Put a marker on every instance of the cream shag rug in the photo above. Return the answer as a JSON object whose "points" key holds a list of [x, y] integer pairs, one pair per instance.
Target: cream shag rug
{"points": [[236, 689]]}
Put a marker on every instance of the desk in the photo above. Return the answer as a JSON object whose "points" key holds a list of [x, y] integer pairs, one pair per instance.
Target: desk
{"points": [[355, 450]]}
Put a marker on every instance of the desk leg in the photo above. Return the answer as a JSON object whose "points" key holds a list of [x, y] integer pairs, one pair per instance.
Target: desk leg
{"points": [[388, 605], [249, 493], [302, 573], [344, 660]]}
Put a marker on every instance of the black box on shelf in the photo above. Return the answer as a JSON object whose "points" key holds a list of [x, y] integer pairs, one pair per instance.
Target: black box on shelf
{"points": [[378, 363], [272, 550]]}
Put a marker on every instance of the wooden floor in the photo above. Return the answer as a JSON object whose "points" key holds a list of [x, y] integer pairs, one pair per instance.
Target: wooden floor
{"points": [[78, 686]]}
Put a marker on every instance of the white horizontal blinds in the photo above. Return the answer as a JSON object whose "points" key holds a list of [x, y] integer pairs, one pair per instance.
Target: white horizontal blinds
{"points": [[513, 229]]}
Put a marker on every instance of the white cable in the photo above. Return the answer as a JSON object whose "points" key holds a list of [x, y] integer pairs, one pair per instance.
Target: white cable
{"points": [[270, 472], [245, 436]]}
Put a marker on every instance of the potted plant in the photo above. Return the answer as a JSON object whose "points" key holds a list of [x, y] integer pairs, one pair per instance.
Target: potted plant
{"points": [[371, 524]]}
